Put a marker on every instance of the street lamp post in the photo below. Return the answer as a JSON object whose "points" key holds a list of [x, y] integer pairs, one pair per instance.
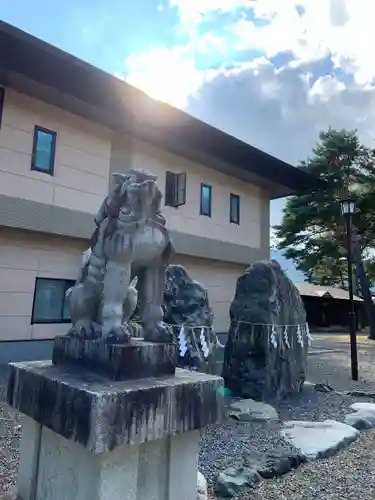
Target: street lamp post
{"points": [[348, 209]]}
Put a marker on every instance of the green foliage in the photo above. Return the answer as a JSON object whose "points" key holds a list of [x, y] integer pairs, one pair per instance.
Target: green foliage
{"points": [[312, 232]]}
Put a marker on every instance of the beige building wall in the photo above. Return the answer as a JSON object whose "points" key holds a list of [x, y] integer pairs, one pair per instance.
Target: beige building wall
{"points": [[86, 155], [82, 160], [186, 218], [24, 256]]}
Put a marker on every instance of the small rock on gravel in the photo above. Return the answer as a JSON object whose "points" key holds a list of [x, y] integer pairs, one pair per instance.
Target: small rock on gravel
{"points": [[248, 410], [201, 487], [363, 416], [256, 467]]}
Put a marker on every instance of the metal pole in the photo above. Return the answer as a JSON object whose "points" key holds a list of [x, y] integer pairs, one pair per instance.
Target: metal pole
{"points": [[352, 317]]}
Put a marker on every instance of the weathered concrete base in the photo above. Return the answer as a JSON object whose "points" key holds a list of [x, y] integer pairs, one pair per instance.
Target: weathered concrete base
{"points": [[61, 469], [86, 437], [103, 415], [119, 361]]}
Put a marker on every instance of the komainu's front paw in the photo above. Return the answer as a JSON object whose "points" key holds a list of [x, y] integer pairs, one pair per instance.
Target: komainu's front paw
{"points": [[85, 329], [160, 332], [119, 334]]}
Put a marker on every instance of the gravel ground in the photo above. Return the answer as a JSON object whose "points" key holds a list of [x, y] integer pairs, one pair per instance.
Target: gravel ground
{"points": [[10, 433], [223, 444], [349, 475]]}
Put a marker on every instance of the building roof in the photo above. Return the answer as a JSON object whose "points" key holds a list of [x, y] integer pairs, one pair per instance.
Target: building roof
{"points": [[309, 290], [34, 67]]}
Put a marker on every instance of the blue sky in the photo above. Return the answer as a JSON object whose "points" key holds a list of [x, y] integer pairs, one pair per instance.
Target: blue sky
{"points": [[105, 33], [271, 72], [102, 33]]}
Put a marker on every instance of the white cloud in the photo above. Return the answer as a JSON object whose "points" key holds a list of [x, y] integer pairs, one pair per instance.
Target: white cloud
{"points": [[193, 12], [310, 29], [325, 89], [281, 110], [278, 110], [343, 28]]}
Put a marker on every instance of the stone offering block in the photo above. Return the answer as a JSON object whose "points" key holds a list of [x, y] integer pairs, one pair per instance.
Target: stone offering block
{"points": [[134, 360]]}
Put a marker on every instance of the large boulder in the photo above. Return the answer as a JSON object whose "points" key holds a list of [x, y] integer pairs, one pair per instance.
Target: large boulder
{"points": [[266, 353], [186, 303]]}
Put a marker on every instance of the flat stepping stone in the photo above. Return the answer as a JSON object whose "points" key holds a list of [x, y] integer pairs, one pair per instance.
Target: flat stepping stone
{"points": [[318, 439], [363, 416], [249, 410]]}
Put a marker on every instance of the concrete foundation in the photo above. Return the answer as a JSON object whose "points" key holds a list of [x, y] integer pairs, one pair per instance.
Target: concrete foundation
{"points": [[55, 468], [86, 437]]}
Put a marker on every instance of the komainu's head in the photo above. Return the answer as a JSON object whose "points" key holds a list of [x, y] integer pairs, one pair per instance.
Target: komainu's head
{"points": [[136, 190]]}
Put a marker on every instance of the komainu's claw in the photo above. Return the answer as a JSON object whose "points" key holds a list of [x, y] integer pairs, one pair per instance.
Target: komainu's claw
{"points": [[85, 329], [159, 333], [119, 334]]}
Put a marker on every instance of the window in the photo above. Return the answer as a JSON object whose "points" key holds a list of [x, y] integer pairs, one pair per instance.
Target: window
{"points": [[175, 189], [43, 158], [50, 305], [234, 209], [206, 199], [2, 99]]}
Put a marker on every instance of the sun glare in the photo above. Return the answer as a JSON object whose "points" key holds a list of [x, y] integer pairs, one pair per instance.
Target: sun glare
{"points": [[164, 74]]}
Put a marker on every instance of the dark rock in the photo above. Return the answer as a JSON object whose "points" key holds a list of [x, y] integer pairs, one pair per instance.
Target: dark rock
{"points": [[256, 467], [278, 462], [323, 388], [137, 359], [361, 394], [253, 366], [274, 463], [185, 300], [186, 303], [234, 479]]}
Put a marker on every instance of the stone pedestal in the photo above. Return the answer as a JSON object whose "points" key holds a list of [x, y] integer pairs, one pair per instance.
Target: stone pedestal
{"points": [[88, 437], [137, 359]]}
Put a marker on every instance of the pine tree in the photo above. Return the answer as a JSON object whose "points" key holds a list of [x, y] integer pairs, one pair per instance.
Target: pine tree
{"points": [[312, 231]]}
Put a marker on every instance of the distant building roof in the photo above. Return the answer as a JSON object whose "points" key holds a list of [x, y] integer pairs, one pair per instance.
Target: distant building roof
{"points": [[331, 292]]}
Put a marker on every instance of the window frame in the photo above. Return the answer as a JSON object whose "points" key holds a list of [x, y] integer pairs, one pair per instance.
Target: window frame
{"points": [[68, 284], [201, 212], [235, 220], [34, 167], [172, 199], [2, 102]]}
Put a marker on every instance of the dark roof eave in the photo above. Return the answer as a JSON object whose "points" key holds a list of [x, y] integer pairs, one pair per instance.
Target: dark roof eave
{"points": [[37, 68]]}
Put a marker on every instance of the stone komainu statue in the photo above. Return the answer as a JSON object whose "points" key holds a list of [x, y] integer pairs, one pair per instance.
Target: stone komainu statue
{"points": [[130, 246]]}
